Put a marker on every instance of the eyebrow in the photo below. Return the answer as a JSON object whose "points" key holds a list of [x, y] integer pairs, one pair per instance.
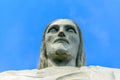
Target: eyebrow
{"points": [[52, 26]]}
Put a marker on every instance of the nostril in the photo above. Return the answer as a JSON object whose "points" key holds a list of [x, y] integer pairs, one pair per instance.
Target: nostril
{"points": [[61, 34]]}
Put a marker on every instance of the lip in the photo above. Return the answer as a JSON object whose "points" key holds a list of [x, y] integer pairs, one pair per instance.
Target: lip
{"points": [[61, 40]]}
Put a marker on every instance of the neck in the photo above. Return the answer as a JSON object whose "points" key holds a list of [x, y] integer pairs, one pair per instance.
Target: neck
{"points": [[61, 63]]}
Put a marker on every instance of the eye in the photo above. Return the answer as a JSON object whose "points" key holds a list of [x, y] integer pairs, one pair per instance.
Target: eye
{"points": [[53, 29], [69, 28]]}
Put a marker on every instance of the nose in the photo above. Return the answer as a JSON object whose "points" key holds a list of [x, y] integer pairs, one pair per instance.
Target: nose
{"points": [[61, 34]]}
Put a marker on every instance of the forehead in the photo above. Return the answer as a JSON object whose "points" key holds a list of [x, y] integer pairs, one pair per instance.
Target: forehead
{"points": [[63, 22]]}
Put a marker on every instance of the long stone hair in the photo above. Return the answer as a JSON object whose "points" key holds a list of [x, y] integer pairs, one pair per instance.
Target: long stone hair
{"points": [[80, 60]]}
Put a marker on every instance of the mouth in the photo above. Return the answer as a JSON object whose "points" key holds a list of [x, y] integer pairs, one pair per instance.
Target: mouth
{"points": [[61, 40]]}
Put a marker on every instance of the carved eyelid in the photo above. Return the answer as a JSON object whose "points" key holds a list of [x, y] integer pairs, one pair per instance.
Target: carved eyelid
{"points": [[53, 27], [70, 27]]}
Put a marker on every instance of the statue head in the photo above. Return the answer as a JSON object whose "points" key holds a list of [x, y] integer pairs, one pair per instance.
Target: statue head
{"points": [[62, 45]]}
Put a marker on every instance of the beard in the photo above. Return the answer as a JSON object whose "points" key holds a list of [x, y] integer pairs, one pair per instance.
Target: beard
{"points": [[59, 53]]}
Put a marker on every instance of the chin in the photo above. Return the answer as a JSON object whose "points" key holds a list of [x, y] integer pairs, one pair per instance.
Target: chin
{"points": [[60, 45], [60, 57]]}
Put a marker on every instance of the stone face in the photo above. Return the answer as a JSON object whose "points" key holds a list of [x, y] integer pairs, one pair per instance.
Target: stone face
{"points": [[62, 45], [63, 73]]}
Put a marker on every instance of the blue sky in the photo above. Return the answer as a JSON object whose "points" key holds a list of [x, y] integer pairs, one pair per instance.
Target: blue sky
{"points": [[22, 23]]}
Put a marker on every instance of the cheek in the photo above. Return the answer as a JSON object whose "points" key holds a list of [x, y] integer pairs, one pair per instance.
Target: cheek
{"points": [[49, 38], [74, 39]]}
